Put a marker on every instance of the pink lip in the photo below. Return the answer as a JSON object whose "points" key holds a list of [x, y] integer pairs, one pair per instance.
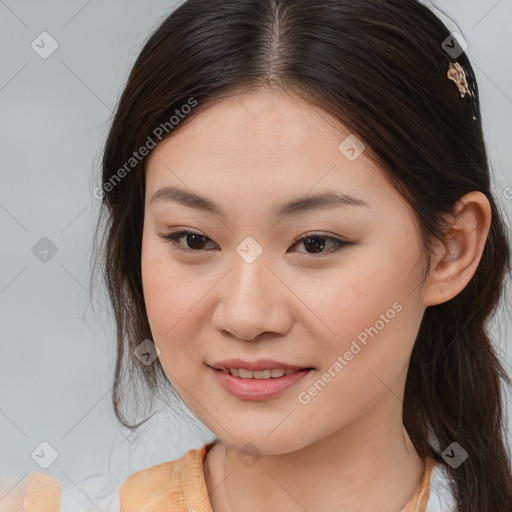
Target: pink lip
{"points": [[257, 389], [260, 364]]}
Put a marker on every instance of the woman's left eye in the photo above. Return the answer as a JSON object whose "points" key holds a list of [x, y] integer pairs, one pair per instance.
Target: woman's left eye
{"points": [[314, 241]]}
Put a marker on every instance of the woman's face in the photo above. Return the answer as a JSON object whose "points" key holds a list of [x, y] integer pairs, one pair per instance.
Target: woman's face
{"points": [[241, 286]]}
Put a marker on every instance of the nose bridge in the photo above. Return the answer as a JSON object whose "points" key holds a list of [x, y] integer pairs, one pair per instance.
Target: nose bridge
{"points": [[249, 283], [249, 300]]}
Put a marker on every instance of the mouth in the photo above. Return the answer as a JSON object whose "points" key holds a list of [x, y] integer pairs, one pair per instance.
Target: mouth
{"points": [[260, 369], [260, 380], [273, 373]]}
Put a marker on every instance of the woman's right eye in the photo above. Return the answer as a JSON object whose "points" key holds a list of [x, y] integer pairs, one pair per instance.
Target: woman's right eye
{"points": [[194, 240]]}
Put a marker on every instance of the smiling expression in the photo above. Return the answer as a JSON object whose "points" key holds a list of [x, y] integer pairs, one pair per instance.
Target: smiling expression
{"points": [[292, 255]]}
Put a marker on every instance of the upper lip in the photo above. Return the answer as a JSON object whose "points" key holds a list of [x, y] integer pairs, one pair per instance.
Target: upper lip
{"points": [[260, 364]]}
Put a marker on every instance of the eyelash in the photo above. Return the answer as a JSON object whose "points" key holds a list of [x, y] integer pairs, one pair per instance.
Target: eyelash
{"points": [[174, 237]]}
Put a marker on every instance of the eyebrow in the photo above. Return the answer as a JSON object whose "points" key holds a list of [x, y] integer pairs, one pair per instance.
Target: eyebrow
{"points": [[327, 199]]}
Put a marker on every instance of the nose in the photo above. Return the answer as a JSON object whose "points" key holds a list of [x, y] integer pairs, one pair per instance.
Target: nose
{"points": [[253, 301]]}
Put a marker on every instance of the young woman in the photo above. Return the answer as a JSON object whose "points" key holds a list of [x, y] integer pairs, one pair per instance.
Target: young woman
{"points": [[301, 242]]}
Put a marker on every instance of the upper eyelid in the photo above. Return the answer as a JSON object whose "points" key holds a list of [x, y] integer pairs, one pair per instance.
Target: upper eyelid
{"points": [[180, 233], [311, 234]]}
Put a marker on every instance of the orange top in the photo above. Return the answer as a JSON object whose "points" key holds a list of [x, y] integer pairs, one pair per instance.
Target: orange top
{"points": [[180, 486], [175, 486]]}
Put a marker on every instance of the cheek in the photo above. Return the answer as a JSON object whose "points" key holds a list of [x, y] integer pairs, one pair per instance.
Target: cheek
{"points": [[155, 286], [166, 294], [368, 314], [375, 323], [174, 300]]}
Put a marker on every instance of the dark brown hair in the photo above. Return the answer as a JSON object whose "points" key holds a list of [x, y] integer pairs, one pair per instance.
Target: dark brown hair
{"points": [[378, 66]]}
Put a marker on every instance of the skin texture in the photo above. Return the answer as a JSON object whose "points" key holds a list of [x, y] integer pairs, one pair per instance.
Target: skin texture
{"points": [[346, 449]]}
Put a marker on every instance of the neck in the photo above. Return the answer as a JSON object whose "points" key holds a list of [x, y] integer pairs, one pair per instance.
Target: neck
{"points": [[358, 468]]}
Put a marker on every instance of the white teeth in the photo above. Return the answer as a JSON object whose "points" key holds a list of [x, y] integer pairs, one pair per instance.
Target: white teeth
{"points": [[260, 374]]}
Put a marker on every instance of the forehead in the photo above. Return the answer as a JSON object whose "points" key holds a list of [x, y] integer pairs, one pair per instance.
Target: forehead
{"points": [[268, 143], [268, 114], [256, 126]]}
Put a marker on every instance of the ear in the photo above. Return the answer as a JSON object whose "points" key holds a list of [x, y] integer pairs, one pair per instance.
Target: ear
{"points": [[455, 261]]}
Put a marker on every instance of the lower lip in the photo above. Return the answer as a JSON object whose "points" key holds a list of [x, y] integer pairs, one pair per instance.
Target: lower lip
{"points": [[257, 389]]}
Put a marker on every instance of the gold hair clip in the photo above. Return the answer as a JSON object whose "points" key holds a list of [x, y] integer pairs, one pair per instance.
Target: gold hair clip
{"points": [[458, 75]]}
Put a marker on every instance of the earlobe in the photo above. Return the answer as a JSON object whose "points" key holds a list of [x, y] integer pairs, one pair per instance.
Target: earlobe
{"points": [[456, 260]]}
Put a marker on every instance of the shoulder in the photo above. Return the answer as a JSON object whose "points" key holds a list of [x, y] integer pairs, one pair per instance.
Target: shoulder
{"points": [[441, 498], [179, 484], [42, 492], [173, 485]]}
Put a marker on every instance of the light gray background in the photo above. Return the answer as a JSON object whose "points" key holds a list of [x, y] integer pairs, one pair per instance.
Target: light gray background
{"points": [[57, 359]]}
